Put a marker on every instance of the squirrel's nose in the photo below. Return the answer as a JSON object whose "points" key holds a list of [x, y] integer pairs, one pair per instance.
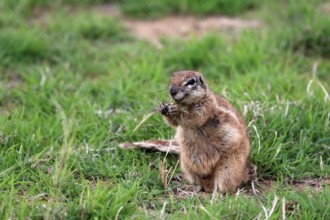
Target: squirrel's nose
{"points": [[174, 90]]}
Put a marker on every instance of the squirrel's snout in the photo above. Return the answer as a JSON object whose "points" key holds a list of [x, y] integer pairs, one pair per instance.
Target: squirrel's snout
{"points": [[174, 90]]}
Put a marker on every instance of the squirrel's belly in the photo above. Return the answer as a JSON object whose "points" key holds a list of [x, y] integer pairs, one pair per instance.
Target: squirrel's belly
{"points": [[196, 154]]}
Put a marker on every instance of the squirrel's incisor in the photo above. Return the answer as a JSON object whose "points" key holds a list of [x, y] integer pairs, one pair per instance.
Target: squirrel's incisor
{"points": [[212, 135]]}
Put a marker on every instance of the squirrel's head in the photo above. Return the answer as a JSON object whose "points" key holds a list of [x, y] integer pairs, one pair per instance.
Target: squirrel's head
{"points": [[187, 87]]}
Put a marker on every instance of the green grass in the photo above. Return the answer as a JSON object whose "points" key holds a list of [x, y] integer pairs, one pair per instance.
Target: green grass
{"points": [[140, 9], [158, 8], [73, 85]]}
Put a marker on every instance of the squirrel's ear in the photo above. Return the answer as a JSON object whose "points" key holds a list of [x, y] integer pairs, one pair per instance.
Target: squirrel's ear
{"points": [[201, 80]]}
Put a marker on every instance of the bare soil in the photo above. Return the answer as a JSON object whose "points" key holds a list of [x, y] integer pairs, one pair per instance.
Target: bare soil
{"points": [[186, 26], [178, 26], [325, 8], [173, 27]]}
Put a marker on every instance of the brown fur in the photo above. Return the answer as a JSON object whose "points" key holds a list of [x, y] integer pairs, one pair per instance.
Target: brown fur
{"points": [[211, 133]]}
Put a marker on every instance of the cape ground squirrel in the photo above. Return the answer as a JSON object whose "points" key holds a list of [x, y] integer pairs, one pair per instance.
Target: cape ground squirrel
{"points": [[212, 135]]}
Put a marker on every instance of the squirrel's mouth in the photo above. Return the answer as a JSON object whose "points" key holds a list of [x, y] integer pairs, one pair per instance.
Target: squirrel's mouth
{"points": [[179, 96], [178, 100]]}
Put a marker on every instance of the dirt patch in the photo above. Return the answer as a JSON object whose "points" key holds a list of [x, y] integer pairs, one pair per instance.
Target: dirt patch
{"points": [[183, 27], [258, 188], [178, 26], [315, 184], [299, 185], [325, 8]]}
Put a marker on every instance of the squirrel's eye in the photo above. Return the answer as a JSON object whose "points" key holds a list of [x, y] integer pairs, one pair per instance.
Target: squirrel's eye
{"points": [[191, 82]]}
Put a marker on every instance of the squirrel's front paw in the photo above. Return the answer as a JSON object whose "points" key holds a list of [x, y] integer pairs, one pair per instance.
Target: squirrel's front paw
{"points": [[163, 108], [168, 109]]}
